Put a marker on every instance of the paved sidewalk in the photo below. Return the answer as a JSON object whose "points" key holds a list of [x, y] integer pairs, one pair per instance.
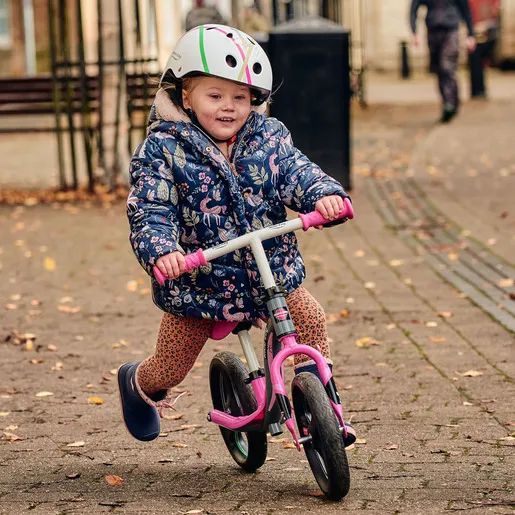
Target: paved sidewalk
{"points": [[419, 298]]}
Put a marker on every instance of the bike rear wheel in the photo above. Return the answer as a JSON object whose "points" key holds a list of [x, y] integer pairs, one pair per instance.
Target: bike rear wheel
{"points": [[325, 451], [227, 375]]}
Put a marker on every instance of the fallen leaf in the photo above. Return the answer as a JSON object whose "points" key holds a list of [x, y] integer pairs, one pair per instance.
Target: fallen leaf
{"points": [[359, 253], [68, 309], [179, 445], [445, 314], [466, 403], [11, 437], [391, 447], [175, 416], [491, 241], [366, 341], [73, 475], [132, 286], [78, 443], [453, 256], [344, 313], [113, 480], [370, 285], [51, 347], [4, 413], [360, 441], [505, 283], [44, 394], [49, 264], [190, 426], [396, 262], [194, 511], [438, 339], [471, 373], [431, 324], [97, 401]]}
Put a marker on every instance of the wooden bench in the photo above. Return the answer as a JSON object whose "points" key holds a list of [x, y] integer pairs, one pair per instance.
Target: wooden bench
{"points": [[141, 88], [35, 96]]}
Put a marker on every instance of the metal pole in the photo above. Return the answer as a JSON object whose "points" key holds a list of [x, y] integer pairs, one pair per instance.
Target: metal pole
{"points": [[67, 82], [85, 111], [121, 81], [100, 57], [30, 40], [56, 93]]}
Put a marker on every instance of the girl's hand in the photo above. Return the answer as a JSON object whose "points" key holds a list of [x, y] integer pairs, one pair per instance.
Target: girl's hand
{"points": [[171, 265], [329, 207]]}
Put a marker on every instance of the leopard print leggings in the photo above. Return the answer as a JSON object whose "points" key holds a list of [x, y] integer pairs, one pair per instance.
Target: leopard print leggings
{"points": [[181, 339]]}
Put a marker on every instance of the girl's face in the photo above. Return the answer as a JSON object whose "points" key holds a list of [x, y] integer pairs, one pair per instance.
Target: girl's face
{"points": [[221, 106]]}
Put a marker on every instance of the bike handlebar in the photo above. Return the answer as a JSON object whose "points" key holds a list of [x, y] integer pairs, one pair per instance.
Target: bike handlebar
{"points": [[197, 259], [316, 218]]}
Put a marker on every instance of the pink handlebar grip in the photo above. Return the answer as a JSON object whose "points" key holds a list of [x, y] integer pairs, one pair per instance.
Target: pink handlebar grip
{"points": [[315, 218], [192, 261]]}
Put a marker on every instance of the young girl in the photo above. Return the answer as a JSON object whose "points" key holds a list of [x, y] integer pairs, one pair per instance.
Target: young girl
{"points": [[213, 167]]}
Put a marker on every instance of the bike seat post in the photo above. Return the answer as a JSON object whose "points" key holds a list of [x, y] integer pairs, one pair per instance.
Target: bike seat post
{"points": [[248, 350]]}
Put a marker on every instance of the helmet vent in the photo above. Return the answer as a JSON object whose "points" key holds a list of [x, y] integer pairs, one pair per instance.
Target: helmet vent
{"points": [[257, 68], [231, 61], [230, 35]]}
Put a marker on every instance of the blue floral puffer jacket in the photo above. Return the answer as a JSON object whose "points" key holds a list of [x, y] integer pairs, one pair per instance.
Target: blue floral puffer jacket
{"points": [[186, 195]]}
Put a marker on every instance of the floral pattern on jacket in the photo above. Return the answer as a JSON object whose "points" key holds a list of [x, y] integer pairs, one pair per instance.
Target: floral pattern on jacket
{"points": [[186, 195]]}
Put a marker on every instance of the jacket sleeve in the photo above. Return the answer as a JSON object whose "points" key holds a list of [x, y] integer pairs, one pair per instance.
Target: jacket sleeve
{"points": [[464, 7], [301, 183], [152, 203], [415, 4]]}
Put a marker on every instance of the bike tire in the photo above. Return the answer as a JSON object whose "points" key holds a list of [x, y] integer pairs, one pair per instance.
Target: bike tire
{"points": [[230, 393], [326, 450]]}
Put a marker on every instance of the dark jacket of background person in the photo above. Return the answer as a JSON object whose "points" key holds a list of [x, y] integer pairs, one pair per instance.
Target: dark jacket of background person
{"points": [[202, 14], [442, 14]]}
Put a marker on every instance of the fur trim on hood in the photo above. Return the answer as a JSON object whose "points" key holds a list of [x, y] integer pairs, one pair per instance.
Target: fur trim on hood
{"points": [[166, 110]]}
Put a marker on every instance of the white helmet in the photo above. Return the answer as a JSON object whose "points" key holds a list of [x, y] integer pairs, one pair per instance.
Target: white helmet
{"points": [[221, 51]]}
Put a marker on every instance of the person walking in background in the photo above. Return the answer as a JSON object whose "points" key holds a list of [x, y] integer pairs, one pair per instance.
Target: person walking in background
{"points": [[442, 20], [200, 14], [253, 22], [486, 21]]}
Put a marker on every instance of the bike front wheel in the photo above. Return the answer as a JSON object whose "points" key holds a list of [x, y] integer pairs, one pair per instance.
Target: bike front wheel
{"points": [[325, 450], [230, 393]]}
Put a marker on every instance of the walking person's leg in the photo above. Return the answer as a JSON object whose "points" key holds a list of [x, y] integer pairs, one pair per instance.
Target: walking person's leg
{"points": [[448, 69], [144, 385]]}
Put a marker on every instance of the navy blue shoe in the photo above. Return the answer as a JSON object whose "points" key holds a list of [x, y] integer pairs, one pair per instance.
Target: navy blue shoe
{"points": [[141, 418], [312, 368]]}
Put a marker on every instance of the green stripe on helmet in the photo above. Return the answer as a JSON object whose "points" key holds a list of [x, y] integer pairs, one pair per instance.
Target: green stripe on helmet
{"points": [[202, 51]]}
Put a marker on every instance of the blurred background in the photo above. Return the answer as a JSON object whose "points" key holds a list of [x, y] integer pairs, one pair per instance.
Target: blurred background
{"points": [[80, 75]]}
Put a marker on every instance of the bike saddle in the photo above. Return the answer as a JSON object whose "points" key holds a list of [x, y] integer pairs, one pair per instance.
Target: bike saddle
{"points": [[222, 328]]}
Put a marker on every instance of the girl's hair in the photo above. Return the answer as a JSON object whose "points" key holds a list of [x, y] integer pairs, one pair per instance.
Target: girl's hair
{"points": [[174, 87]]}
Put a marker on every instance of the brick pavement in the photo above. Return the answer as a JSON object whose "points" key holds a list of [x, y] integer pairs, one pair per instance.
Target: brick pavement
{"points": [[434, 439]]}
